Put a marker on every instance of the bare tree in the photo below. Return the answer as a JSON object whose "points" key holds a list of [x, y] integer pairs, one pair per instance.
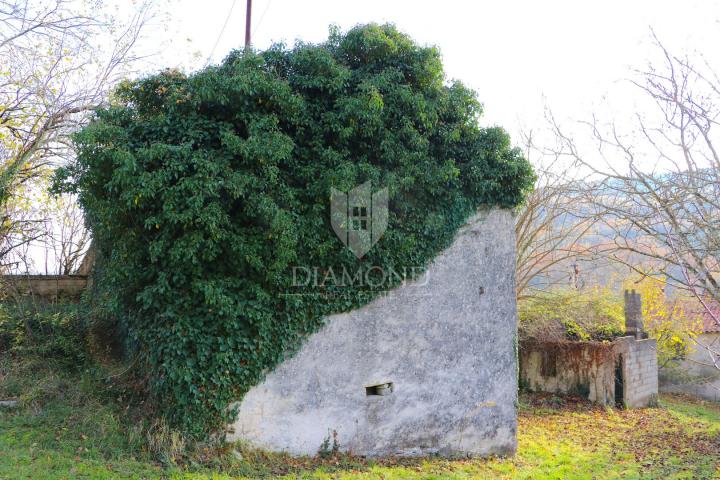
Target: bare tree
{"points": [[66, 240], [655, 187], [550, 234], [57, 64]]}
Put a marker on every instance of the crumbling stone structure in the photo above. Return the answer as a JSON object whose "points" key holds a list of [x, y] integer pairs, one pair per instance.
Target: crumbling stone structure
{"points": [[633, 315], [623, 372]]}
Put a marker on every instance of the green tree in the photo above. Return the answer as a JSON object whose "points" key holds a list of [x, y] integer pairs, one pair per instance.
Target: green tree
{"points": [[203, 192]]}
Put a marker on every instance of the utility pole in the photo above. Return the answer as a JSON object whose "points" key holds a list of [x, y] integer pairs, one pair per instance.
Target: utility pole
{"points": [[248, 23]]}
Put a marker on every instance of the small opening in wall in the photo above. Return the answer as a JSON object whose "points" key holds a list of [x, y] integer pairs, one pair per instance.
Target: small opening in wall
{"points": [[548, 367], [619, 383], [380, 390]]}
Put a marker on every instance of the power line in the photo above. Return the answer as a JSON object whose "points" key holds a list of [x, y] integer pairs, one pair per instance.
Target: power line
{"points": [[222, 30], [254, 30]]}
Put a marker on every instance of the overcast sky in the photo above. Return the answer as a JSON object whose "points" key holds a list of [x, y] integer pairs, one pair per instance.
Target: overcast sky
{"points": [[516, 54]]}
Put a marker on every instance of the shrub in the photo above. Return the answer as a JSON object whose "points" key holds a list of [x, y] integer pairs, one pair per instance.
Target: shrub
{"points": [[52, 332], [203, 192], [596, 314]]}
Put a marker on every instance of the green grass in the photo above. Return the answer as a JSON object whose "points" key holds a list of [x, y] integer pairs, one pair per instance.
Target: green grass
{"points": [[66, 430]]}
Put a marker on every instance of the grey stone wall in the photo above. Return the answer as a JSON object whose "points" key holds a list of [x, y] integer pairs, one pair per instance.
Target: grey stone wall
{"points": [[640, 369], [445, 343]]}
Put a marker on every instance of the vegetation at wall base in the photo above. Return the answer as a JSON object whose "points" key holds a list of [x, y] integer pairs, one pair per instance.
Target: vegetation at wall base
{"points": [[57, 333], [204, 191]]}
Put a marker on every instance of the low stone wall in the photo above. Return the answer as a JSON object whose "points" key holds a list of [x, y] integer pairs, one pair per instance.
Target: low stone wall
{"points": [[591, 370], [429, 368], [46, 287]]}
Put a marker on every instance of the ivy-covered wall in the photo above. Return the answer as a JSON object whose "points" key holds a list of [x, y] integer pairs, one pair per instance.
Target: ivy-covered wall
{"points": [[203, 192], [445, 345]]}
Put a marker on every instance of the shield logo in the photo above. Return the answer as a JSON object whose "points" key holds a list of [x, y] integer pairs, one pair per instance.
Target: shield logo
{"points": [[359, 217]]}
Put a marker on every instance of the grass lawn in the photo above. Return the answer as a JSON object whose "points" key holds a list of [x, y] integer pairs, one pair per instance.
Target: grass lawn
{"points": [[77, 436]]}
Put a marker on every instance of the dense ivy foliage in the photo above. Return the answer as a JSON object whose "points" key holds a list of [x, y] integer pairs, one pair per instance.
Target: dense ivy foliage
{"points": [[203, 192]]}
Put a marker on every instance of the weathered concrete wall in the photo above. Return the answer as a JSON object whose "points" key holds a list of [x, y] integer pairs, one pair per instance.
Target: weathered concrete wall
{"points": [[46, 287], [581, 368], [447, 345], [640, 370], [695, 375], [589, 369]]}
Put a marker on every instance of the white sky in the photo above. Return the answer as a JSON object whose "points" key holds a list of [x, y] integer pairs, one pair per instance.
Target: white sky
{"points": [[518, 55]]}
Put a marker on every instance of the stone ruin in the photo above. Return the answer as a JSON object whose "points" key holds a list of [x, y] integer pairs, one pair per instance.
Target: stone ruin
{"points": [[623, 373]]}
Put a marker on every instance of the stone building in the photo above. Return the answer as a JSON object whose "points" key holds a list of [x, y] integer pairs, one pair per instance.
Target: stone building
{"points": [[623, 372], [428, 368]]}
